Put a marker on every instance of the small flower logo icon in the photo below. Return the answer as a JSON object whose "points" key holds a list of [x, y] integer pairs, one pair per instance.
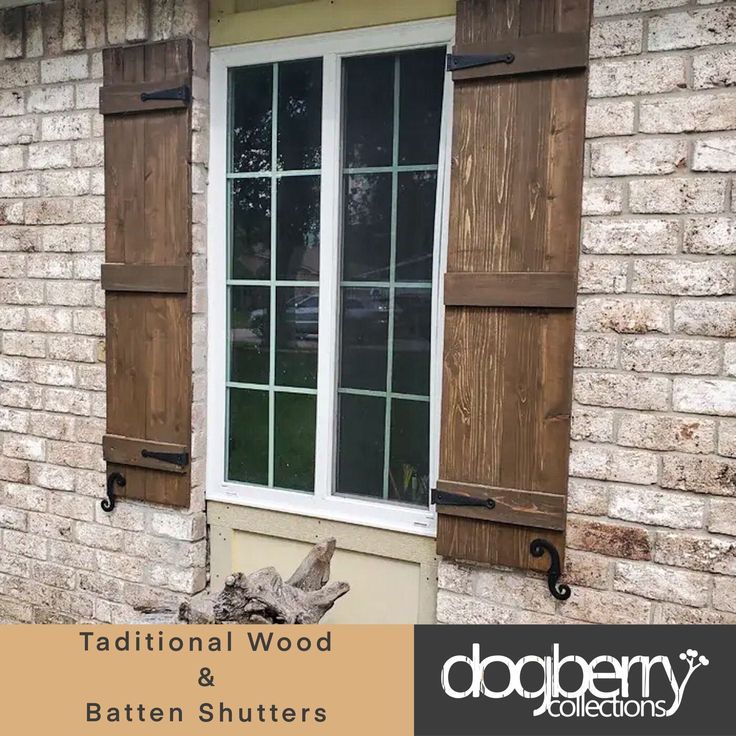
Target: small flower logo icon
{"points": [[690, 656]]}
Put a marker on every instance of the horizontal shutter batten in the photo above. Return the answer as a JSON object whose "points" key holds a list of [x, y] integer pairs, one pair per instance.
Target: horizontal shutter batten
{"points": [[495, 544], [513, 505], [547, 52], [145, 278], [512, 289], [126, 98], [127, 451]]}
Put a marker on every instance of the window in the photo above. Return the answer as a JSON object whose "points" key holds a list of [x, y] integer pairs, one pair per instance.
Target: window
{"points": [[327, 203]]}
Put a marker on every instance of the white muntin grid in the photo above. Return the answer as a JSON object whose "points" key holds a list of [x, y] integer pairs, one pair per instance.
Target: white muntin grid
{"points": [[273, 282], [391, 285], [332, 49]]}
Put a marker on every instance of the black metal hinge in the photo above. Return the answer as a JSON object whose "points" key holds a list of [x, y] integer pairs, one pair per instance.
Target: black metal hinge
{"points": [[182, 93], [175, 458], [455, 62], [445, 498]]}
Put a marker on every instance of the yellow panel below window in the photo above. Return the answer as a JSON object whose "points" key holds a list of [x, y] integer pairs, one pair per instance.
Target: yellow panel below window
{"points": [[234, 22], [382, 590], [392, 575]]}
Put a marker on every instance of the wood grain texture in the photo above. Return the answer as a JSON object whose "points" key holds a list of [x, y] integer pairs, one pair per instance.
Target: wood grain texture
{"points": [[129, 451], [513, 506], [145, 278], [126, 98], [516, 195], [148, 223], [532, 54], [511, 289]]}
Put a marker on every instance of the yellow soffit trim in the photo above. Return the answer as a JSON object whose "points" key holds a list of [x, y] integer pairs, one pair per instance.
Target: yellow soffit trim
{"points": [[230, 24]]}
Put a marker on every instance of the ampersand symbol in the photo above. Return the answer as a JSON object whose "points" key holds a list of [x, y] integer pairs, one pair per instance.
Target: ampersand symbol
{"points": [[206, 678]]}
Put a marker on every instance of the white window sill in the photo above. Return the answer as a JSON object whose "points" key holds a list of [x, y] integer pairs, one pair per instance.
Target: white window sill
{"points": [[389, 516]]}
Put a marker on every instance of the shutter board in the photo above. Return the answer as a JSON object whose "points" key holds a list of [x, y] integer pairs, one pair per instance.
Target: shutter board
{"points": [[543, 510], [539, 53], [510, 289], [131, 451], [127, 97], [135, 277], [515, 212], [148, 269]]}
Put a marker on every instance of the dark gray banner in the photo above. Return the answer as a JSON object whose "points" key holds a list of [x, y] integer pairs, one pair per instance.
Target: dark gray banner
{"points": [[627, 680]]}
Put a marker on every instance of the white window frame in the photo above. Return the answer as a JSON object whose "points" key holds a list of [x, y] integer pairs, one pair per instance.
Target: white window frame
{"points": [[333, 47]]}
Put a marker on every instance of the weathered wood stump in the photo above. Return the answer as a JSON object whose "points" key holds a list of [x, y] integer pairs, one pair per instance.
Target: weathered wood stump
{"points": [[262, 597]]}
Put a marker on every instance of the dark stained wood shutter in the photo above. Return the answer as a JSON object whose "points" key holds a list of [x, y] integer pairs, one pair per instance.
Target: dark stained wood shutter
{"points": [[147, 274], [517, 168]]}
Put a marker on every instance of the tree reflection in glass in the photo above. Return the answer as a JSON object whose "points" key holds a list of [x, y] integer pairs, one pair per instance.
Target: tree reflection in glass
{"points": [[274, 180], [392, 112]]}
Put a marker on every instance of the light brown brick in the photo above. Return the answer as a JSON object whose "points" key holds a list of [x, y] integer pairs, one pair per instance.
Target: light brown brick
{"points": [[701, 474], [670, 355], [667, 433], [643, 505]]}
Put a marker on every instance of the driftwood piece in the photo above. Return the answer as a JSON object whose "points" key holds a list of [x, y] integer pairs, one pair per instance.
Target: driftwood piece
{"points": [[314, 571], [263, 597]]}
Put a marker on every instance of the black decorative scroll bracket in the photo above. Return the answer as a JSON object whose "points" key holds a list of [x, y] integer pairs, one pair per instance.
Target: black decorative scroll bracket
{"points": [[108, 504], [182, 93], [559, 590], [456, 62], [444, 498]]}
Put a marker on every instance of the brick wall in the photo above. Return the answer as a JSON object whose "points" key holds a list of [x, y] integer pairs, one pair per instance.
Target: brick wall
{"points": [[62, 558], [652, 506]]}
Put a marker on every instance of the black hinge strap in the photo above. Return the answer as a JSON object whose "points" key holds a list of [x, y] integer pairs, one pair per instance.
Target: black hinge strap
{"points": [[456, 62], [182, 93], [445, 498], [175, 458]]}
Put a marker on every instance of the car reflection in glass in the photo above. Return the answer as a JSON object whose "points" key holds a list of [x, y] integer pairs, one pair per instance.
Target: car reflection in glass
{"points": [[302, 315]]}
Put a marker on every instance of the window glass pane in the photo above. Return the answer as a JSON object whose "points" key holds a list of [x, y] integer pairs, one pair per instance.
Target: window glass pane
{"points": [[361, 445], [251, 228], [415, 227], [248, 436], [297, 239], [273, 275], [364, 338], [297, 315], [295, 426], [420, 108], [300, 115], [387, 247], [409, 463], [250, 334], [412, 341], [369, 110], [367, 227], [251, 101]]}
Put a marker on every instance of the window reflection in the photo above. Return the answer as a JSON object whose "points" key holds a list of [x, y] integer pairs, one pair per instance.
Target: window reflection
{"points": [[251, 99], [298, 228], [274, 272], [297, 327], [251, 228], [390, 161]]}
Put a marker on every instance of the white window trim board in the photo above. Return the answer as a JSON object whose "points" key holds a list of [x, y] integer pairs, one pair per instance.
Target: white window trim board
{"points": [[321, 504]]}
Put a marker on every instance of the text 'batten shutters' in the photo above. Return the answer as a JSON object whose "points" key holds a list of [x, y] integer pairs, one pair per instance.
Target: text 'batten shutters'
{"points": [[147, 275], [520, 73]]}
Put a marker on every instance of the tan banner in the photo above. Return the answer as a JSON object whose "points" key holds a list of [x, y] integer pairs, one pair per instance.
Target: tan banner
{"points": [[206, 679]]}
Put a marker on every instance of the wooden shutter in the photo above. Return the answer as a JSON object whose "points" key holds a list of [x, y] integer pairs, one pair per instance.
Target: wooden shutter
{"points": [[511, 277], [147, 274]]}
